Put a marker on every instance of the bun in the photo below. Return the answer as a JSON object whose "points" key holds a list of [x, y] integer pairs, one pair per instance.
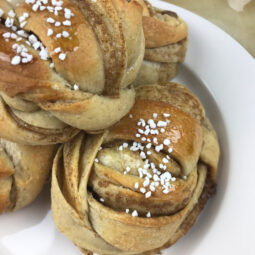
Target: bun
{"points": [[132, 191], [166, 44], [95, 57], [21, 177]]}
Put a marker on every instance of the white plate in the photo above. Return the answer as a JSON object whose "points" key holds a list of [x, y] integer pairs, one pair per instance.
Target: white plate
{"points": [[222, 74]]}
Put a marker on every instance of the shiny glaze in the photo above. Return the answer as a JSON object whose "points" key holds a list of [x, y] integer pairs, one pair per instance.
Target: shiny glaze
{"points": [[6, 51], [15, 79], [81, 47], [184, 132], [66, 44]]}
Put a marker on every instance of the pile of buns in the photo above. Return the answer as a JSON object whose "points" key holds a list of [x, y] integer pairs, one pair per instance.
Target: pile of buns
{"points": [[85, 95]]}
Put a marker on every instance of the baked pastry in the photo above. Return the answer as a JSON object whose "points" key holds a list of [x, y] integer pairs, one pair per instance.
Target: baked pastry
{"points": [[21, 177], [69, 63], [138, 187], [165, 42], [23, 122]]}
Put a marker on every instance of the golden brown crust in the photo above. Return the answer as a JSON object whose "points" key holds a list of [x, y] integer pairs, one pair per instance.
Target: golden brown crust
{"points": [[103, 54], [161, 27], [175, 94], [83, 58], [158, 33], [92, 186], [101, 42], [184, 132], [16, 79], [6, 7], [165, 42]]}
